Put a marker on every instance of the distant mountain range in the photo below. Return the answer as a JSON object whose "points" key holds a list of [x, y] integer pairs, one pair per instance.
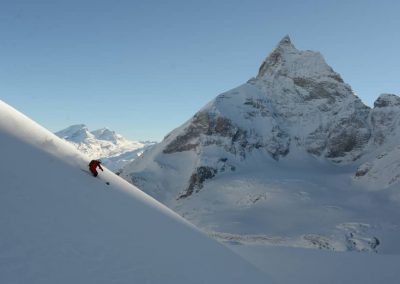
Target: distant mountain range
{"points": [[292, 157], [114, 150]]}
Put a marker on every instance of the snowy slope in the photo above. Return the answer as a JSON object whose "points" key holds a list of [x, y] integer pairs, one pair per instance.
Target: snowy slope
{"points": [[280, 160], [61, 225], [318, 266], [114, 150]]}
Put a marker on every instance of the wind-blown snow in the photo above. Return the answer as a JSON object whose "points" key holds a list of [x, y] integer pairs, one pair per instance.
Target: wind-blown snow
{"points": [[61, 225]]}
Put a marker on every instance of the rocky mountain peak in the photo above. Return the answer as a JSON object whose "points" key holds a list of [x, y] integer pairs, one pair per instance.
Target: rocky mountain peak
{"points": [[285, 42], [296, 101], [387, 100], [286, 60], [277, 56]]}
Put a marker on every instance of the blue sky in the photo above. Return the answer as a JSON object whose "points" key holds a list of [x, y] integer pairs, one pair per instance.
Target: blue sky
{"points": [[143, 68]]}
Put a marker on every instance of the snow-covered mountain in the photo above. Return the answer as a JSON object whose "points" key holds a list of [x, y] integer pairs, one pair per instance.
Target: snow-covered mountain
{"points": [[61, 225], [114, 150], [285, 159], [381, 169]]}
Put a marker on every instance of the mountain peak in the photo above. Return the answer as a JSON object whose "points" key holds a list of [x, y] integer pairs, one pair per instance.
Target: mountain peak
{"points": [[387, 100], [76, 127], [77, 132], [277, 56], [285, 41], [106, 134], [284, 47], [286, 60]]}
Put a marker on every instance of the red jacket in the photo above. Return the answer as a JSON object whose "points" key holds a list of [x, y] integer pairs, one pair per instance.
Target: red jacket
{"points": [[93, 166]]}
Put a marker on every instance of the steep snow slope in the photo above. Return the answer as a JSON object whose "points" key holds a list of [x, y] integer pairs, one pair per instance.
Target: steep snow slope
{"points": [[280, 160], [114, 150], [61, 225]]}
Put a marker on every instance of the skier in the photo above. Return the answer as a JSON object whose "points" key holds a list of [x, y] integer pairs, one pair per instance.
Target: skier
{"points": [[93, 167]]}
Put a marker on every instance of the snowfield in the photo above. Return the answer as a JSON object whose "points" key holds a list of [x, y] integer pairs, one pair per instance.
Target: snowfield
{"points": [[299, 265], [61, 225]]}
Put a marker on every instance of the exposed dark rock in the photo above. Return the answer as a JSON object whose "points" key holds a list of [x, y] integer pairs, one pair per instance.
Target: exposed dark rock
{"points": [[341, 144], [259, 107], [318, 241], [318, 90], [363, 170], [385, 117], [344, 141], [223, 165], [275, 57], [316, 141], [189, 140], [336, 77], [197, 179], [213, 127], [374, 243], [279, 143]]}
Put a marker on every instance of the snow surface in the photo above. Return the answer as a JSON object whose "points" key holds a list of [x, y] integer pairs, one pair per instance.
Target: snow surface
{"points": [[296, 265], [61, 225]]}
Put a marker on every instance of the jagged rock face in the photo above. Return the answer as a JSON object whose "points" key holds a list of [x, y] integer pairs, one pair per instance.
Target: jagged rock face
{"points": [[382, 170], [308, 95], [206, 128], [197, 179], [348, 136], [211, 128], [387, 100], [302, 66], [385, 118]]}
